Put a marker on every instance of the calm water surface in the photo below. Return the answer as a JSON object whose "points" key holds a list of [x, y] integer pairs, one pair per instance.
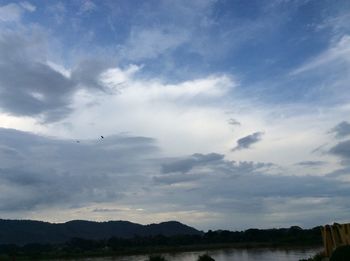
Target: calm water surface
{"points": [[262, 254]]}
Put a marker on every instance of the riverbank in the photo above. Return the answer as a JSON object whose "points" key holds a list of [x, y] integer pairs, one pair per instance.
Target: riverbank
{"points": [[59, 254], [292, 237]]}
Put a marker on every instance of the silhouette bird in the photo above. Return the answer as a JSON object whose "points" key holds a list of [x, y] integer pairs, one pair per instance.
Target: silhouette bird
{"points": [[78, 141], [102, 137]]}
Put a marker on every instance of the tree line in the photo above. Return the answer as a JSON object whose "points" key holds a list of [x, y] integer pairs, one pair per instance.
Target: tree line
{"points": [[293, 236]]}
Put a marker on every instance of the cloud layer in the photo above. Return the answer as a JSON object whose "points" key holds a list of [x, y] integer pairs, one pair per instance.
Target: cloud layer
{"points": [[39, 172], [170, 85], [341, 130], [44, 174], [30, 86]]}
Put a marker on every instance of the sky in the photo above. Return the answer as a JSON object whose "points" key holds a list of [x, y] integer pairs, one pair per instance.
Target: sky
{"points": [[216, 113]]}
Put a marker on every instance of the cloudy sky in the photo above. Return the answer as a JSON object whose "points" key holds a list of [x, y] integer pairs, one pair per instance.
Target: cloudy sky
{"points": [[216, 113]]}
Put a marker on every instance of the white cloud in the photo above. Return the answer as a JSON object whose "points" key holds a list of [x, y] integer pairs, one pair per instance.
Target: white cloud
{"points": [[191, 117], [10, 13], [151, 107], [327, 75], [338, 24], [146, 43], [59, 68], [86, 6], [13, 12], [211, 87], [28, 6], [337, 53], [187, 117], [184, 118], [114, 77]]}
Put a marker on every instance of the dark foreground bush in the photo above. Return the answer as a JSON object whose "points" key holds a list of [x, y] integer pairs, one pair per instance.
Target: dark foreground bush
{"points": [[156, 258], [205, 257], [341, 254]]}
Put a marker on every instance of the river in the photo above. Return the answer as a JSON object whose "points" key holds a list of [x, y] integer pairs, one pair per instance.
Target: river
{"points": [[258, 254]]}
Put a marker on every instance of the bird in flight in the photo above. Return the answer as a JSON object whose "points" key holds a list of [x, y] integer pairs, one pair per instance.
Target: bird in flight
{"points": [[102, 137]]}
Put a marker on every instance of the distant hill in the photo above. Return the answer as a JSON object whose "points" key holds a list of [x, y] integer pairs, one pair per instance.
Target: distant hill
{"points": [[28, 231]]}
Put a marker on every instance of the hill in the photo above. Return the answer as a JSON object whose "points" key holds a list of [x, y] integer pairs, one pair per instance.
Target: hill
{"points": [[22, 232]]}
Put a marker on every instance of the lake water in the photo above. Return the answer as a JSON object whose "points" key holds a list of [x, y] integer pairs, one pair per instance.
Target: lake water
{"points": [[260, 254]]}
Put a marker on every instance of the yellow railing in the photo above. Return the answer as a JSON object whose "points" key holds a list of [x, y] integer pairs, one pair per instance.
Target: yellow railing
{"points": [[334, 236]]}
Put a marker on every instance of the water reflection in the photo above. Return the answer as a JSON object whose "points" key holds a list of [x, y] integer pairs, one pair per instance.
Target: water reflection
{"points": [[260, 254]]}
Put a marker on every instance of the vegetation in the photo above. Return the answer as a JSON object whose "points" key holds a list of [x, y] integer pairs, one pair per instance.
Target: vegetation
{"points": [[205, 257], [156, 258], [48, 233], [341, 254], [78, 247]]}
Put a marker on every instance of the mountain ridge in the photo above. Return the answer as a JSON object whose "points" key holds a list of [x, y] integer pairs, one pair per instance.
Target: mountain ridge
{"points": [[34, 231]]}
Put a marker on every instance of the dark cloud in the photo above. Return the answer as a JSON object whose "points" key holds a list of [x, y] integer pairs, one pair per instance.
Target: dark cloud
{"points": [[87, 72], [238, 190], [197, 166], [320, 149], [234, 122], [340, 172], [39, 188], [175, 178], [247, 141], [342, 150], [341, 130], [186, 164], [30, 87], [41, 171], [261, 185], [311, 163]]}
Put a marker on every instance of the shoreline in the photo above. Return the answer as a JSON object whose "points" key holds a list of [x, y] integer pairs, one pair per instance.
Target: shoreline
{"points": [[108, 253]]}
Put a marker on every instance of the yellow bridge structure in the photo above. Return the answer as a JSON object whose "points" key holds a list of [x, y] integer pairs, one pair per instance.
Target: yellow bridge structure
{"points": [[334, 236]]}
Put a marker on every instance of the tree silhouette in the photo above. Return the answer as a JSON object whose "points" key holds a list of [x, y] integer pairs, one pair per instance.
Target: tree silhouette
{"points": [[341, 254], [205, 257], [156, 258]]}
